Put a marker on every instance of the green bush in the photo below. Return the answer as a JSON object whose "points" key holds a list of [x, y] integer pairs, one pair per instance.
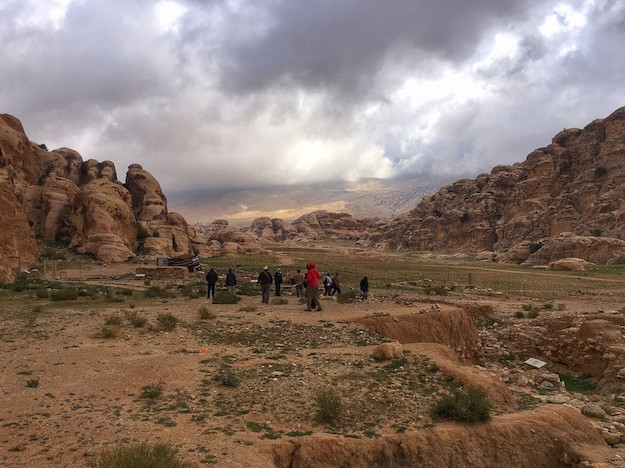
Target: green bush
{"points": [[67, 294], [247, 289], [468, 404], [141, 455], [519, 314], [532, 313], [225, 297], [152, 391], [548, 306], [166, 321], [42, 294], [329, 407]]}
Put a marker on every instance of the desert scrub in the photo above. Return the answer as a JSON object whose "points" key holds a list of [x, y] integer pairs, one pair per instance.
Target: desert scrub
{"points": [[67, 294], [346, 297], [329, 407], [157, 291], [206, 314], [113, 320], [42, 294], [166, 321], [225, 297], [108, 332], [248, 308], [140, 455], [152, 391], [468, 404], [578, 384], [227, 377], [246, 289], [135, 319]]}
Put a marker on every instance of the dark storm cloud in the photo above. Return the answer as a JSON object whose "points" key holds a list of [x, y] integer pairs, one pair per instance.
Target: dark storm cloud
{"points": [[343, 46]]}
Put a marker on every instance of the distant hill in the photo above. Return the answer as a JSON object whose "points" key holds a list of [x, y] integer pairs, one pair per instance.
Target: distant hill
{"points": [[371, 198]]}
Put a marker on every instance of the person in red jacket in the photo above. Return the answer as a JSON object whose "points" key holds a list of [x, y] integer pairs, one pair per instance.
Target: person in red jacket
{"points": [[312, 287]]}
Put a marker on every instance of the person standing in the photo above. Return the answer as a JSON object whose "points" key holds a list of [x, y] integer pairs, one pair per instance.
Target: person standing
{"points": [[265, 280], [364, 288], [231, 281], [211, 280], [336, 284], [298, 279], [277, 278], [312, 287]]}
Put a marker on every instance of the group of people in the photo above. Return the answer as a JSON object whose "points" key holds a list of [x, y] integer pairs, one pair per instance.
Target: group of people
{"points": [[331, 284], [306, 285]]}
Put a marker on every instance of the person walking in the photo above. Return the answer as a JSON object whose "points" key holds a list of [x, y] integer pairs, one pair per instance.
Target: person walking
{"points": [[336, 284], [265, 280], [364, 288], [277, 278], [231, 281], [312, 287], [211, 280], [327, 284], [298, 279]]}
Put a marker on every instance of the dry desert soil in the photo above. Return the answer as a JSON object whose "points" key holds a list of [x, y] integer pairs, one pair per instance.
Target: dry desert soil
{"points": [[242, 385]]}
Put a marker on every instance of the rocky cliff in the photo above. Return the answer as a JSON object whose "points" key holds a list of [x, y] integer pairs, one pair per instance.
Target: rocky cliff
{"points": [[57, 196], [568, 195]]}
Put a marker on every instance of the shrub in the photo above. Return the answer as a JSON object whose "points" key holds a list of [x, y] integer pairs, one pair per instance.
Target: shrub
{"points": [[152, 391], [248, 308], [346, 297], [600, 171], [166, 321], [532, 313], [135, 319], [141, 455], [548, 305], [157, 291], [109, 332], [67, 294], [439, 290], [463, 405], [227, 377], [519, 314], [574, 384], [206, 314], [279, 301], [561, 306], [114, 320], [42, 294], [225, 297], [246, 289], [329, 407]]}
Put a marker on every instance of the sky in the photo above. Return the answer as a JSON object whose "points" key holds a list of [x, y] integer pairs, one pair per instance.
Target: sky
{"points": [[232, 94]]}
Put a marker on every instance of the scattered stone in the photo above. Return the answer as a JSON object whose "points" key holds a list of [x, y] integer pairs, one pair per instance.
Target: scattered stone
{"points": [[593, 410]]}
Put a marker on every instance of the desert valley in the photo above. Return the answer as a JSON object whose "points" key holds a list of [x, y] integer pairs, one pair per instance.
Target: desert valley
{"points": [[493, 335]]}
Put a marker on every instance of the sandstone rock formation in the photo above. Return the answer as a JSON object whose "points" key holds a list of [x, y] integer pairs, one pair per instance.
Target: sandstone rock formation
{"points": [[573, 185], [56, 196]]}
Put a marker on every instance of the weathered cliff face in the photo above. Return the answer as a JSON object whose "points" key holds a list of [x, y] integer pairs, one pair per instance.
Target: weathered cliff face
{"points": [[103, 222], [55, 195], [576, 184]]}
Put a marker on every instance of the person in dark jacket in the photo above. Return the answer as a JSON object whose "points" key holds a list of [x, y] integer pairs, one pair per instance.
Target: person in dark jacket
{"points": [[211, 280], [277, 278], [364, 288], [231, 281], [265, 280]]}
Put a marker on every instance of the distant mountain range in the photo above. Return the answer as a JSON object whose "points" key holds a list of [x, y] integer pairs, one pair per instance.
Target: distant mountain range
{"points": [[370, 198]]}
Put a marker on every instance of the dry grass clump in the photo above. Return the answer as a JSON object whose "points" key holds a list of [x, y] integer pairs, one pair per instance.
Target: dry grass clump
{"points": [[141, 455]]}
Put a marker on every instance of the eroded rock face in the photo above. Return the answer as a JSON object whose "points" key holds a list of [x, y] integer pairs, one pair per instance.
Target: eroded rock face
{"points": [[573, 185], [148, 199], [103, 221]]}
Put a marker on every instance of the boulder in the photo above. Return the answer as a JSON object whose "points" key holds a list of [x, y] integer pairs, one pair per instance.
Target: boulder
{"points": [[387, 351]]}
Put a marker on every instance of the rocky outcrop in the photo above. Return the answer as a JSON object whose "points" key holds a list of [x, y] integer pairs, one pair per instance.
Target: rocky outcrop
{"points": [[55, 195], [573, 185], [103, 222]]}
